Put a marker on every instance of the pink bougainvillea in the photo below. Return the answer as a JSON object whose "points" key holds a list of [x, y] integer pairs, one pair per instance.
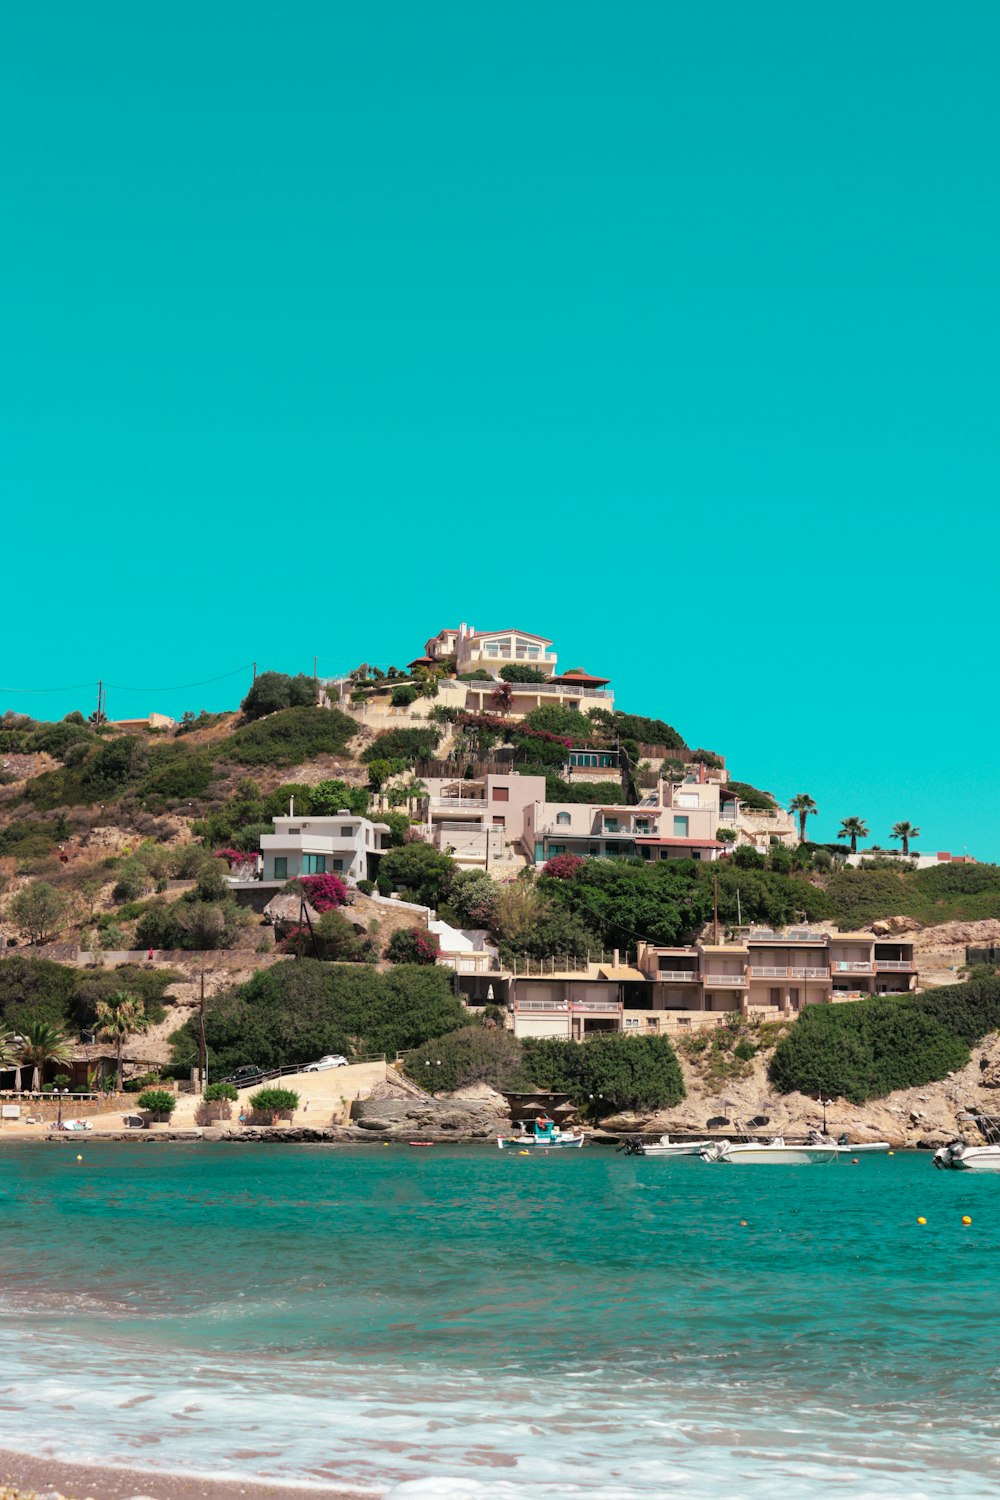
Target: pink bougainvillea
{"points": [[237, 856], [409, 946], [500, 726], [563, 866], [324, 892]]}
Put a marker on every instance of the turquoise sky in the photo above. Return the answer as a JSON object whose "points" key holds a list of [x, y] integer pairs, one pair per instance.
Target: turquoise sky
{"points": [[668, 331]]}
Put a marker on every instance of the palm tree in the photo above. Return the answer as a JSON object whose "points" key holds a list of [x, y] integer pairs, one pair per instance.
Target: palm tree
{"points": [[10, 1056], [853, 829], [118, 1017], [906, 832], [43, 1043], [803, 807]]}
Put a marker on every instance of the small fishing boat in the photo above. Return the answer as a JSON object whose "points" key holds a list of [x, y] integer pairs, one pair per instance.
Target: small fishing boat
{"points": [[541, 1132], [632, 1145], [871, 1147], [967, 1158]]}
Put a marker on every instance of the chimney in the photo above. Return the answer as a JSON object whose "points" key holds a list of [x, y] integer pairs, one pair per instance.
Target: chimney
{"points": [[615, 951], [291, 806], [702, 773]]}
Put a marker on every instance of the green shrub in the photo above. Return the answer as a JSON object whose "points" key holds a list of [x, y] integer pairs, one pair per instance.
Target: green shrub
{"points": [[637, 727], [603, 793], [274, 1101], [366, 887], [865, 1050], [214, 1092], [518, 673], [403, 696], [307, 1009], [419, 871], [409, 946], [158, 1102], [630, 1072], [273, 691], [745, 1050], [141, 1083], [407, 745], [751, 796], [473, 1054], [175, 772], [291, 736]]}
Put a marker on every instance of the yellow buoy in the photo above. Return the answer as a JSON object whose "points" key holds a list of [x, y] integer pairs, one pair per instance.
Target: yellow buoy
{"points": [[743, 1223], [966, 1219], [892, 1153], [79, 1158], [524, 1153], [921, 1221]]}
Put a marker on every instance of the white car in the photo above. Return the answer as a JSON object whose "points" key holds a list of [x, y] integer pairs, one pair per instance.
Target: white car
{"points": [[331, 1061]]}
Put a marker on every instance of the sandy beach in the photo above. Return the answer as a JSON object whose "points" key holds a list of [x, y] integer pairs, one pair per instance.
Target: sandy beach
{"points": [[23, 1477]]}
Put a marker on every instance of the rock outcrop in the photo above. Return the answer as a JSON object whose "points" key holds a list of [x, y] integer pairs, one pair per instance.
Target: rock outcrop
{"points": [[401, 1119]]}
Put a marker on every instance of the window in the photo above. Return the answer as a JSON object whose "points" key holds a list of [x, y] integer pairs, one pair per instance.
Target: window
{"points": [[314, 864], [338, 865], [687, 799], [501, 794], [281, 868], [556, 849], [563, 820], [295, 830], [499, 821], [346, 833], [634, 1021], [642, 825], [681, 827], [610, 825]]}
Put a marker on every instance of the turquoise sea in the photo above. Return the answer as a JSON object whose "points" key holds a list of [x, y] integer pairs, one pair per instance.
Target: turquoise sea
{"points": [[464, 1323]]}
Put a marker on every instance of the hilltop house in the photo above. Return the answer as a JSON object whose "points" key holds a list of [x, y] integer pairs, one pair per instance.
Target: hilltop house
{"points": [[646, 832], [477, 818]]}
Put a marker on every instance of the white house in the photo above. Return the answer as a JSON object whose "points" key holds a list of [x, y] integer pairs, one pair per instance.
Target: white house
{"points": [[346, 845]]}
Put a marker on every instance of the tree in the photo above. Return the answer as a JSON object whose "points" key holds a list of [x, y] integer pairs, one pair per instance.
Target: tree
{"points": [[10, 1056], [328, 798], [501, 697], [626, 1072], [403, 696], [119, 1016], [43, 1044], [853, 829], [272, 691], [338, 941], [324, 892], [726, 835], [383, 769], [563, 866], [803, 806], [157, 1102], [409, 946], [419, 870], [906, 832], [37, 910], [274, 1102]]}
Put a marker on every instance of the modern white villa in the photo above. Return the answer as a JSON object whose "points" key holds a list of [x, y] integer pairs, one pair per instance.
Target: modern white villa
{"points": [[345, 845]]}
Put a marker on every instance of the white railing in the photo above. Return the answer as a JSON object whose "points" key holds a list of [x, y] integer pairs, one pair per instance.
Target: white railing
{"points": [[768, 971], [851, 966], [443, 804], [595, 1007], [718, 981], [678, 976], [810, 973], [542, 1006], [900, 966]]}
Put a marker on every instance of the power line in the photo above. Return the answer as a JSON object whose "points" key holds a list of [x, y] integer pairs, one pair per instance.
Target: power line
{"points": [[178, 687]]}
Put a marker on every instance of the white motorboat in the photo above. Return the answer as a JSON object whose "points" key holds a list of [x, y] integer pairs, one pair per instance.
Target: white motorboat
{"points": [[769, 1153], [633, 1146], [864, 1146], [967, 1158]]}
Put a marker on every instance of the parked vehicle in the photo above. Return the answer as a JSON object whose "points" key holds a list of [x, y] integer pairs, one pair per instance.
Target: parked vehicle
{"points": [[332, 1060], [245, 1076]]}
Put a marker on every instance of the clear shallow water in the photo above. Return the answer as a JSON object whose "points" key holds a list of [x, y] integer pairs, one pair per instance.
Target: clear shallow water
{"points": [[464, 1323]]}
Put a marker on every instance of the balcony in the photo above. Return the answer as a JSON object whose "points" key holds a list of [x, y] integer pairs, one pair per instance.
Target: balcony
{"points": [[852, 966], [595, 1007], [677, 976], [724, 981], [542, 1007], [897, 966], [460, 804], [809, 973]]}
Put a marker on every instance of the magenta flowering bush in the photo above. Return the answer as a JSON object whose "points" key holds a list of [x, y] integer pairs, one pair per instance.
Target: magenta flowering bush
{"points": [[563, 866], [324, 892], [410, 946]]}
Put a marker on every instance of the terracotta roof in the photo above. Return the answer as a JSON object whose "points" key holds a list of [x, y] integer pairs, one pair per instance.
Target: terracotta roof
{"points": [[580, 679], [421, 661], [722, 948], [623, 971]]}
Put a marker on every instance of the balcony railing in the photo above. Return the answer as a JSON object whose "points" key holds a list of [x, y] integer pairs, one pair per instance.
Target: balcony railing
{"points": [[809, 973], [678, 976], [851, 965], [720, 981], [899, 966], [542, 1007], [591, 1007], [543, 687], [595, 1007], [446, 804]]}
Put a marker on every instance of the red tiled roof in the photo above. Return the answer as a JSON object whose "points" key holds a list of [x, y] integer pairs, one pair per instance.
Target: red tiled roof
{"points": [[581, 679]]}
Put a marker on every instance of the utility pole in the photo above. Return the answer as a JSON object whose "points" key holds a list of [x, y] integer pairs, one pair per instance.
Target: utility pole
{"points": [[255, 671], [314, 666], [715, 909], [201, 1035], [100, 692]]}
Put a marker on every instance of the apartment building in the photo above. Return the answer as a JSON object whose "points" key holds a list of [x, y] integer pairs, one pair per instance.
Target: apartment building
{"points": [[574, 1002], [705, 791], [478, 819], [616, 832], [346, 845]]}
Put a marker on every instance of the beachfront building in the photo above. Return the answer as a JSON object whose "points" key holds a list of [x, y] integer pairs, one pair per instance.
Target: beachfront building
{"points": [[647, 832], [574, 1000], [346, 845]]}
